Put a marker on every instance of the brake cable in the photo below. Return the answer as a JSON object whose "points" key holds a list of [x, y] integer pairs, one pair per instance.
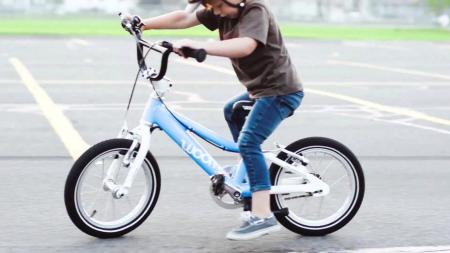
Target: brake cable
{"points": [[134, 86], [141, 62]]}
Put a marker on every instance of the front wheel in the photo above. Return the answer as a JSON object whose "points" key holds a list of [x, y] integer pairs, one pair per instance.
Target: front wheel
{"points": [[334, 164], [93, 208]]}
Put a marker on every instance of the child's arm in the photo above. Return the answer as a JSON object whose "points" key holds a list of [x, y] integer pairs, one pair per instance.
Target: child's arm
{"points": [[173, 20], [232, 48]]}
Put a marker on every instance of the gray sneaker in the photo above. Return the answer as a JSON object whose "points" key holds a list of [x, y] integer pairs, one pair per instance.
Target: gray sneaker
{"points": [[254, 227]]}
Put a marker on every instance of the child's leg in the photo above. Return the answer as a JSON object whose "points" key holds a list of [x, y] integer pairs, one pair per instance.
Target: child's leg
{"points": [[261, 204], [228, 110], [266, 115], [261, 122]]}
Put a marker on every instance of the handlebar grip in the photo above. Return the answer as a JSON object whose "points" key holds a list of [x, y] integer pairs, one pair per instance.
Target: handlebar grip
{"points": [[198, 54], [131, 24], [167, 45]]}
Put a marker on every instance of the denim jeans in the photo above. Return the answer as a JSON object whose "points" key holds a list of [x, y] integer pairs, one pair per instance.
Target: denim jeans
{"points": [[266, 114]]}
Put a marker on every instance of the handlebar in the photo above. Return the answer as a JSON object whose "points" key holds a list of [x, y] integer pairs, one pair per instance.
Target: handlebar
{"points": [[198, 54], [134, 26]]}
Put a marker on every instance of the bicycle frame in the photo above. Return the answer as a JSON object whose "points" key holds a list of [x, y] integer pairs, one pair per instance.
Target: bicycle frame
{"points": [[180, 130]]}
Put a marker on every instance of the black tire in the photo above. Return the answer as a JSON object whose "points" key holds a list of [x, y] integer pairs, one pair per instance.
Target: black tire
{"points": [[73, 179], [357, 172]]}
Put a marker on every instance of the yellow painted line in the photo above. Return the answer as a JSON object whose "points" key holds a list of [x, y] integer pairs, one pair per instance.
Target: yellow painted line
{"points": [[397, 110], [384, 108], [396, 70], [71, 139]]}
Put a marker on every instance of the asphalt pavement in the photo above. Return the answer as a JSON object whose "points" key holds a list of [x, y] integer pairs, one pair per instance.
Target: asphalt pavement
{"points": [[387, 101]]}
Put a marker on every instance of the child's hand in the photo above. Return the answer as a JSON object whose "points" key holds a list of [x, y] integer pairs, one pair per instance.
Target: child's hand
{"points": [[178, 45], [129, 22]]}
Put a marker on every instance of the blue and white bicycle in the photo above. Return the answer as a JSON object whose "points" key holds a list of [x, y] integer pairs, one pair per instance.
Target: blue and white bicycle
{"points": [[318, 183]]}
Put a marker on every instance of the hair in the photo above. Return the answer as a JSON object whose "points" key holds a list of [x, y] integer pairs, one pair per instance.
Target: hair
{"points": [[207, 3]]}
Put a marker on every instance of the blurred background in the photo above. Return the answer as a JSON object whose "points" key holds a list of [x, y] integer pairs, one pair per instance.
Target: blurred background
{"points": [[401, 12], [376, 75]]}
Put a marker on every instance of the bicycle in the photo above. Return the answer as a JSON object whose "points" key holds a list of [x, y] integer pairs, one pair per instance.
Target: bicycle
{"points": [[123, 173]]}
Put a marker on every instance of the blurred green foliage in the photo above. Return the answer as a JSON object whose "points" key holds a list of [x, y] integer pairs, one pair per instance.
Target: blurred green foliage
{"points": [[438, 6], [111, 27]]}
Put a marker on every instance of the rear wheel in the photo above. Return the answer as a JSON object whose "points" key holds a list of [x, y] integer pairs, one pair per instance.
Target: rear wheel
{"points": [[337, 166], [98, 212]]}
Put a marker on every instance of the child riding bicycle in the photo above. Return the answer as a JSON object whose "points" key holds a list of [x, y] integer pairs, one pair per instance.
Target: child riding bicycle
{"points": [[250, 37]]}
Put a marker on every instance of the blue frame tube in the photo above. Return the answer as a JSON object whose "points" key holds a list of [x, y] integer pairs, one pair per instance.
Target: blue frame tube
{"points": [[179, 129], [157, 114]]}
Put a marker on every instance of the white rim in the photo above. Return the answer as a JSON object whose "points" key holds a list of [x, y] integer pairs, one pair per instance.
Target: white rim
{"points": [[311, 212], [120, 217]]}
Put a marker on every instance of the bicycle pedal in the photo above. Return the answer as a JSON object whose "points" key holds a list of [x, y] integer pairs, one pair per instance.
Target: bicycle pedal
{"points": [[282, 212], [217, 184]]}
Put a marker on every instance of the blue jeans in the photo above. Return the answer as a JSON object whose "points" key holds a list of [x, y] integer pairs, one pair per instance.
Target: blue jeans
{"points": [[266, 114]]}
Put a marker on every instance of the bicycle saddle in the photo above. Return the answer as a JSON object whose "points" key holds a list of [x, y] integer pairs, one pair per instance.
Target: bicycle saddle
{"points": [[241, 109]]}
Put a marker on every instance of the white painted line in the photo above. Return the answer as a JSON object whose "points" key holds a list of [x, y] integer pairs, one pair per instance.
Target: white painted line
{"points": [[206, 66], [351, 110], [73, 44], [398, 250], [80, 42], [434, 129], [293, 45], [192, 97], [215, 82], [71, 139], [390, 119], [116, 82], [375, 83], [384, 108], [360, 44], [395, 70], [445, 47], [391, 109]]}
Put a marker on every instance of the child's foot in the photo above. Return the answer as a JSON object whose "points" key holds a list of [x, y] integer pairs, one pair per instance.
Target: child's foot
{"points": [[254, 227]]}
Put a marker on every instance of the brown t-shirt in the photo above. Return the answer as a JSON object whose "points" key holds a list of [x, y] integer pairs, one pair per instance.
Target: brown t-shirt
{"points": [[268, 71]]}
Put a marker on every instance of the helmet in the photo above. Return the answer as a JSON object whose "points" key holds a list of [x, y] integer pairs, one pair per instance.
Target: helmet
{"points": [[240, 5], [195, 1]]}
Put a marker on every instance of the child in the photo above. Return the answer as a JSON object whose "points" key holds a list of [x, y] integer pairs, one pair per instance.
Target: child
{"points": [[250, 37]]}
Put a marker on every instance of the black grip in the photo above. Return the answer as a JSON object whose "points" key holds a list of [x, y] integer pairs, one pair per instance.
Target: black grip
{"points": [[132, 25], [167, 45], [198, 54]]}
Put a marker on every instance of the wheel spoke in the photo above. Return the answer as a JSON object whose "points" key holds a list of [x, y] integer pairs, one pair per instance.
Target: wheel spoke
{"points": [[113, 209], [91, 208], [105, 210], [116, 177], [92, 187], [320, 207], [99, 177], [90, 192], [337, 181], [322, 174], [320, 163], [99, 207], [311, 166], [103, 167], [316, 212], [129, 201]]}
